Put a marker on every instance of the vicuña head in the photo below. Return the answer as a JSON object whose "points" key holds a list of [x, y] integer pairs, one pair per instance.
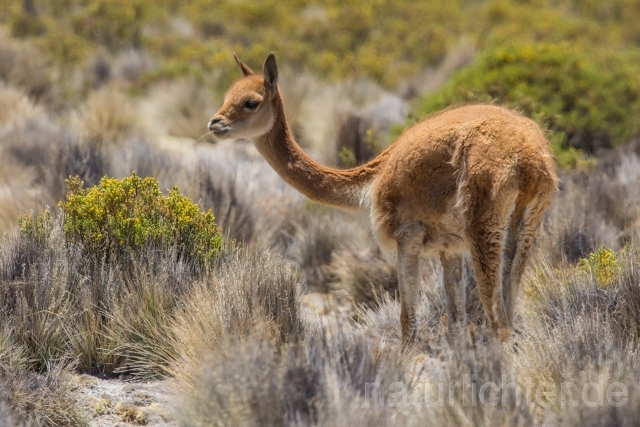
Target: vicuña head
{"points": [[248, 111], [474, 180]]}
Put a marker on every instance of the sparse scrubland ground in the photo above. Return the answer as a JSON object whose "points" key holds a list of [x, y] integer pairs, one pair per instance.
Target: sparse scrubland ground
{"points": [[292, 319]]}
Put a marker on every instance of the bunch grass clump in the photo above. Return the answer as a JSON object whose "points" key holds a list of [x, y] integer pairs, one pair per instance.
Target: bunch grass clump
{"points": [[28, 398]]}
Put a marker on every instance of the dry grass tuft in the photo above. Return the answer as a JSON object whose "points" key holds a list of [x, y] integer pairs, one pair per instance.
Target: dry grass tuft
{"points": [[52, 152], [130, 413], [580, 332], [257, 383], [28, 398], [24, 66], [595, 207], [364, 275], [250, 295], [130, 66], [108, 116], [18, 194], [15, 105]]}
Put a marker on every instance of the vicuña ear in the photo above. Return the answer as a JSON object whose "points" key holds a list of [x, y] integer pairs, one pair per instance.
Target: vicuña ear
{"points": [[270, 71], [244, 67]]}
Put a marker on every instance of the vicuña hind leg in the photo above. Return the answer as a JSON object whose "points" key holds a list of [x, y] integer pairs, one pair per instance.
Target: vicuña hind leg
{"points": [[528, 227], [487, 240], [454, 288], [509, 292]]}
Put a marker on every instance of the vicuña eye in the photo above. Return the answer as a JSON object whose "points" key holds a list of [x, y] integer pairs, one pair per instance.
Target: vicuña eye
{"points": [[251, 105]]}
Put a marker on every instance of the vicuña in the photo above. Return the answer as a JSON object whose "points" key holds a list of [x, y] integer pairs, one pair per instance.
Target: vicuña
{"points": [[475, 179]]}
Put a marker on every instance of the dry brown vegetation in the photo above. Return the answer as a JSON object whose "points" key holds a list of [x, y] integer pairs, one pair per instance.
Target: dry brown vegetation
{"points": [[300, 316]]}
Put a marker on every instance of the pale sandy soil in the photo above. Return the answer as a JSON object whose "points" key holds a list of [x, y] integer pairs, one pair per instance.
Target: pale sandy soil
{"points": [[111, 403]]}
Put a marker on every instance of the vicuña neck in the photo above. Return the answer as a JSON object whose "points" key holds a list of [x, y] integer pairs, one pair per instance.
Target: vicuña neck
{"points": [[340, 188]]}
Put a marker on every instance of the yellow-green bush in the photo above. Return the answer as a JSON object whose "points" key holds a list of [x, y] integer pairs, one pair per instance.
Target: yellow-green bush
{"points": [[603, 264], [117, 217], [587, 100], [36, 227]]}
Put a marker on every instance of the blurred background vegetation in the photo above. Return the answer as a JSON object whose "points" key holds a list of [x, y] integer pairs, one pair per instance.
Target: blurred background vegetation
{"points": [[571, 65]]}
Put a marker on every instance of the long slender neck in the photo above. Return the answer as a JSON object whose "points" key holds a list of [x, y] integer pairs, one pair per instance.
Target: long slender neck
{"points": [[340, 188]]}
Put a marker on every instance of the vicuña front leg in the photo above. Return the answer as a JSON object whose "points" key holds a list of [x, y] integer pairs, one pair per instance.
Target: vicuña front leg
{"points": [[409, 285], [454, 288]]}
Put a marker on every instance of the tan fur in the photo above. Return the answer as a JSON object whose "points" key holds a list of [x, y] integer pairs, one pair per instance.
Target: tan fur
{"points": [[475, 179]]}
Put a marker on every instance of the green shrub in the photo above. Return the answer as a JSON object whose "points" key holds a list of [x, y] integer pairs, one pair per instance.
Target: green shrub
{"points": [[118, 217], [587, 100]]}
